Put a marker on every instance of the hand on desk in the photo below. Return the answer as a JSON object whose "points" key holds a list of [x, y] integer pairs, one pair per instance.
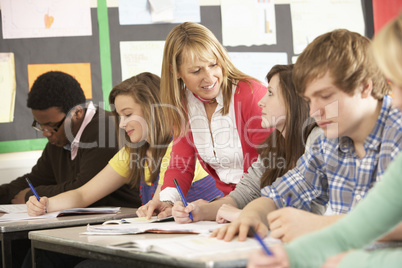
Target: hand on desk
{"points": [[20, 197], [227, 213], [289, 223], [241, 226], [155, 207], [260, 259], [35, 207], [181, 213]]}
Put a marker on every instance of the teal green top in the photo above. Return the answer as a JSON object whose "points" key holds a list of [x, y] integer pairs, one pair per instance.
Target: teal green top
{"points": [[375, 215]]}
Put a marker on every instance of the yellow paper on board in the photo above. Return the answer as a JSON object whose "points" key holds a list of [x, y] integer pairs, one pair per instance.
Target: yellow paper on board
{"points": [[80, 71]]}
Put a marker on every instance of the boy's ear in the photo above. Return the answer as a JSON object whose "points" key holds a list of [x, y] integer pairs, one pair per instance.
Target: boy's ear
{"points": [[367, 89], [78, 112]]}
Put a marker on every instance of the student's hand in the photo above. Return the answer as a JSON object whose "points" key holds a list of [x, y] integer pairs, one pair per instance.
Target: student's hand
{"points": [[181, 213], [20, 197], [155, 207], [35, 207], [259, 258], [227, 213], [288, 223], [241, 226], [334, 261]]}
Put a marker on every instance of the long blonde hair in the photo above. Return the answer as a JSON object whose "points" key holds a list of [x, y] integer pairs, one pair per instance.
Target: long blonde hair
{"points": [[197, 42], [387, 47], [145, 90]]}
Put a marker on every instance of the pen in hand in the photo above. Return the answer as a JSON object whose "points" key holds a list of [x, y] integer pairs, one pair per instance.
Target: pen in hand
{"points": [[259, 239], [183, 199], [33, 191]]}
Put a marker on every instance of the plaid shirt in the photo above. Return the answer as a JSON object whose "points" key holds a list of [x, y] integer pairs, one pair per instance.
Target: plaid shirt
{"points": [[332, 172]]}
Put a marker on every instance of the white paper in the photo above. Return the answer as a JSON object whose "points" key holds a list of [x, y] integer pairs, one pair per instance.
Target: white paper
{"points": [[140, 12], [7, 87], [141, 56], [311, 18], [257, 64], [193, 246], [200, 227], [24, 216], [45, 18], [248, 22], [18, 208]]}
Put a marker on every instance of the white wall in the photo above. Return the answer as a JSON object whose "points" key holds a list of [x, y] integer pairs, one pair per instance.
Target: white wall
{"points": [[13, 165]]}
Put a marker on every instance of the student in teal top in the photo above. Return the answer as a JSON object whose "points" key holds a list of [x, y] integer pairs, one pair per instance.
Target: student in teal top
{"points": [[142, 161], [375, 216]]}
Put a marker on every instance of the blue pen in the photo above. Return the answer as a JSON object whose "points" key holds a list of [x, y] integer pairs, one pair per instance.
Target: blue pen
{"points": [[182, 197], [33, 191], [288, 199], [259, 239]]}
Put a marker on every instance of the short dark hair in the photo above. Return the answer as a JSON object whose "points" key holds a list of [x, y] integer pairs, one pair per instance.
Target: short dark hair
{"points": [[55, 89]]}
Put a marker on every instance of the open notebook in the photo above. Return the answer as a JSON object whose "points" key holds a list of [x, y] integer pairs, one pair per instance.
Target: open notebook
{"points": [[192, 246], [14, 216], [136, 227]]}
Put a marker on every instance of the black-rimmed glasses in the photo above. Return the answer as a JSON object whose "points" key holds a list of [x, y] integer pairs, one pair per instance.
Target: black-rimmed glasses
{"points": [[52, 129]]}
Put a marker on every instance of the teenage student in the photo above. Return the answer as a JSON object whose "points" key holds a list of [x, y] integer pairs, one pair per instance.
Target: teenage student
{"points": [[142, 162], [347, 96], [214, 110], [287, 112], [78, 147], [377, 214]]}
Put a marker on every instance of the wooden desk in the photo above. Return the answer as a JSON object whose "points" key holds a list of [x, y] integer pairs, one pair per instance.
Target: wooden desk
{"points": [[14, 230], [70, 241]]}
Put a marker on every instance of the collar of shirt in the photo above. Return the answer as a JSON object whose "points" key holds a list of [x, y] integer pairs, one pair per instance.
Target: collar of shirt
{"points": [[91, 110], [192, 100]]}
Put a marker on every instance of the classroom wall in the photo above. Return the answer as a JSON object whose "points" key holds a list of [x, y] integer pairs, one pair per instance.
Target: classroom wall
{"points": [[15, 164]]}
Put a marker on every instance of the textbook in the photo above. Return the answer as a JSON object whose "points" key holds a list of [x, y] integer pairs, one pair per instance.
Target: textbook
{"points": [[14, 216], [192, 246], [201, 227], [138, 220]]}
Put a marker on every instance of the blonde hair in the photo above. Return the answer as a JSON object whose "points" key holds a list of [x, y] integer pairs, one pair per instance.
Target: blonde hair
{"points": [[346, 56], [145, 90], [387, 48], [196, 42]]}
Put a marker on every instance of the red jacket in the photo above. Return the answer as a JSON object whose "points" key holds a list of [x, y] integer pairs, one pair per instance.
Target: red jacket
{"points": [[251, 134]]}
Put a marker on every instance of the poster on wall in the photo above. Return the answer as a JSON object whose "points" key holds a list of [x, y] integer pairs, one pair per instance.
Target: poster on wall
{"points": [[7, 87], [45, 18]]}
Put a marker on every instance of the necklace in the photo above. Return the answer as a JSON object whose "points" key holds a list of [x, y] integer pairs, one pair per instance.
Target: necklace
{"points": [[208, 101]]}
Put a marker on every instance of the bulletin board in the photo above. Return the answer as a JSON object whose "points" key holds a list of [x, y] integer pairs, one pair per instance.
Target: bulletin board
{"points": [[101, 51]]}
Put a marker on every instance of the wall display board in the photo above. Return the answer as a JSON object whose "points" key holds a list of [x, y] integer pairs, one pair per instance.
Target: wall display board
{"points": [[100, 54]]}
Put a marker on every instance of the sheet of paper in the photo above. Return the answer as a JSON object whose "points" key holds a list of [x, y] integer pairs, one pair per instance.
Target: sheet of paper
{"points": [[45, 18], [162, 10], [18, 208], [141, 56], [80, 71], [24, 215], [308, 17], [248, 22], [7, 87], [257, 64], [139, 12]]}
